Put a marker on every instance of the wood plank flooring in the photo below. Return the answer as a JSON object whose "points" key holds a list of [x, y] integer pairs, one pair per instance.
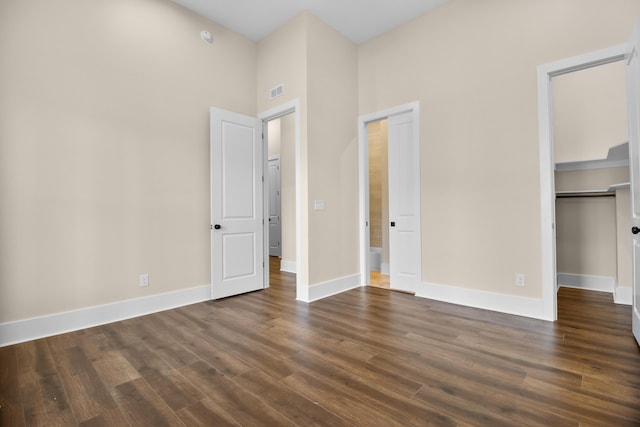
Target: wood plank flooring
{"points": [[367, 357], [379, 280]]}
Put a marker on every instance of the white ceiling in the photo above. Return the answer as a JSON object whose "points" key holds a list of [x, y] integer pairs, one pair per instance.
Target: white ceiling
{"points": [[358, 20]]}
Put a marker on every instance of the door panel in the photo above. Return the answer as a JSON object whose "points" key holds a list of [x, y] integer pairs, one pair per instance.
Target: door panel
{"points": [[238, 181], [404, 204], [275, 229], [237, 236], [236, 263], [633, 99]]}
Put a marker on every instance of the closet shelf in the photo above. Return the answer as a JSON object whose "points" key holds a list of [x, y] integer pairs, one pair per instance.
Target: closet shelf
{"points": [[611, 191], [621, 186], [617, 156]]}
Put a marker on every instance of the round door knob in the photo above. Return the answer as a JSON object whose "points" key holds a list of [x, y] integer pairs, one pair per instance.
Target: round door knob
{"points": [[217, 226], [635, 230]]}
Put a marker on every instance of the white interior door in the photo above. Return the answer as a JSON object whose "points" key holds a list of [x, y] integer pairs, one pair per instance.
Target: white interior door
{"points": [[237, 235], [405, 248], [633, 98], [275, 233]]}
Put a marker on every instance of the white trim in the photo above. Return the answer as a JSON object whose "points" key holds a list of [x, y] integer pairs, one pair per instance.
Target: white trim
{"points": [[585, 281], [68, 321], [363, 174], [547, 186], [623, 296], [274, 113], [331, 287], [509, 304], [288, 266]]}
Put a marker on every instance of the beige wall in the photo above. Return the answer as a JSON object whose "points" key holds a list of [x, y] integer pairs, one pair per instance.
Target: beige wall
{"points": [[282, 59], [589, 112], [586, 236], [104, 148], [472, 65], [590, 179], [332, 153], [319, 66], [104, 165]]}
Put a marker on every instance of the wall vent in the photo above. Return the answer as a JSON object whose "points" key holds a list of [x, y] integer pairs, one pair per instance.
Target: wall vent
{"points": [[276, 91]]}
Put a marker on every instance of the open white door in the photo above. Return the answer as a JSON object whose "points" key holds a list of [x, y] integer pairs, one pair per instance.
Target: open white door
{"points": [[405, 247], [237, 235], [633, 99], [275, 229]]}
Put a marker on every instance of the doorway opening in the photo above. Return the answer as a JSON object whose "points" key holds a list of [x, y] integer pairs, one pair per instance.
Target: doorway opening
{"points": [[402, 220], [284, 124], [592, 181], [548, 164], [281, 192]]}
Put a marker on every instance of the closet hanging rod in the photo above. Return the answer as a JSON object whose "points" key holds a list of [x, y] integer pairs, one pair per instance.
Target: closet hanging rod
{"points": [[574, 194]]}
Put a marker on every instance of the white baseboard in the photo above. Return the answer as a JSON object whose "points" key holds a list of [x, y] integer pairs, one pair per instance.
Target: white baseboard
{"points": [[510, 304], [288, 266], [329, 288], [584, 281], [384, 268], [623, 296], [59, 323]]}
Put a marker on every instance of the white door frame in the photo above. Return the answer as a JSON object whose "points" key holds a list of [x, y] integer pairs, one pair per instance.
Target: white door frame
{"points": [[363, 167], [547, 180], [266, 116]]}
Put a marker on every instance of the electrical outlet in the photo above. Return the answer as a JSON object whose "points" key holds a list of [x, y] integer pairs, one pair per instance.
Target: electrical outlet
{"points": [[144, 280], [519, 279]]}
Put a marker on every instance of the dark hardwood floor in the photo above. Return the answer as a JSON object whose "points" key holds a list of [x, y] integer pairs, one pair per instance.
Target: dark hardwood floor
{"points": [[367, 357]]}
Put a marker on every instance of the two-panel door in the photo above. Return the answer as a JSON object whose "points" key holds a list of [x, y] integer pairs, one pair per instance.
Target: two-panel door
{"points": [[237, 234], [405, 245]]}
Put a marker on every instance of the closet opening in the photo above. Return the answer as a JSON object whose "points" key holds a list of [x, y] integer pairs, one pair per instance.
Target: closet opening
{"points": [[591, 177]]}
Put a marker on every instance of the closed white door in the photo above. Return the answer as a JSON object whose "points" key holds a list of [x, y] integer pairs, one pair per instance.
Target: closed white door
{"points": [[633, 98], [405, 247], [237, 236], [275, 233]]}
